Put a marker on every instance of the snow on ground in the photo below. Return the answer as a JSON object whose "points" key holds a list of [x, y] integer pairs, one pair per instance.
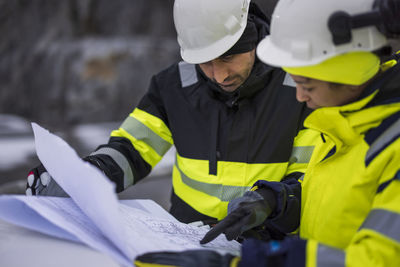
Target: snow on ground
{"points": [[12, 125], [16, 141], [92, 135], [15, 151]]}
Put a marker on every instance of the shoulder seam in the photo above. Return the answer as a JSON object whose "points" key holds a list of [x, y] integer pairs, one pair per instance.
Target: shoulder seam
{"points": [[187, 73]]}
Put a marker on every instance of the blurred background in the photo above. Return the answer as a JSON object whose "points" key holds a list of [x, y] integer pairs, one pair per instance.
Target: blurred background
{"points": [[77, 68]]}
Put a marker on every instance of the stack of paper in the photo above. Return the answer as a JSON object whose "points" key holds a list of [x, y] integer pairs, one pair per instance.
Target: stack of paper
{"points": [[93, 214]]}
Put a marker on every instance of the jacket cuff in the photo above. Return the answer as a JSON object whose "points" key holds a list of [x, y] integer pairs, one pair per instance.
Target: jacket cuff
{"points": [[286, 216], [269, 196], [289, 252], [296, 254]]}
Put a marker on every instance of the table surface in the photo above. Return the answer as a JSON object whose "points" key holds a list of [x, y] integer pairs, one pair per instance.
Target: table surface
{"points": [[21, 247]]}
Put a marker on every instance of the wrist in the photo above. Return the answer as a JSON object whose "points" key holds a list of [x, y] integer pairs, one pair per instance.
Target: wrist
{"points": [[269, 197]]}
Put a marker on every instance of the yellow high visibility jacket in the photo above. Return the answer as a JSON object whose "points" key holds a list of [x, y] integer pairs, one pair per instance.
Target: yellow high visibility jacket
{"points": [[351, 191]]}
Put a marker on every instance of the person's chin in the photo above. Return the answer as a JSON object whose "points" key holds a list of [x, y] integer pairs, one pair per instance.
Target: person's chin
{"points": [[228, 88], [312, 105]]}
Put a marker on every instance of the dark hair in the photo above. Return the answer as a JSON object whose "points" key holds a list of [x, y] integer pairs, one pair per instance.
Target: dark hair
{"points": [[257, 28]]}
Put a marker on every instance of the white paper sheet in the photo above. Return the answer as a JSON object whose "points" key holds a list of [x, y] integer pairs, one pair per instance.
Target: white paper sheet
{"points": [[59, 217], [159, 234], [145, 232], [149, 206], [94, 216], [88, 186]]}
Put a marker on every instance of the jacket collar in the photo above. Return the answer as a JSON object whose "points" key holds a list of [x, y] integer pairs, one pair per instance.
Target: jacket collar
{"points": [[344, 124], [256, 81]]}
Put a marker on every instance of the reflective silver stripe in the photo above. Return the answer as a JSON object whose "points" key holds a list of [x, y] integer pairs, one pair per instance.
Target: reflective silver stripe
{"points": [[288, 81], [188, 73], [301, 154], [384, 139], [145, 134], [122, 162], [384, 222], [330, 257], [223, 192]]}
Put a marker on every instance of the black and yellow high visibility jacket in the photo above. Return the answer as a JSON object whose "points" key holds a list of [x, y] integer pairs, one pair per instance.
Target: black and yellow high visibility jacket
{"points": [[224, 142]]}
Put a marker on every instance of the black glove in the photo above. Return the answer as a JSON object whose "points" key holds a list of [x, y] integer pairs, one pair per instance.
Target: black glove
{"points": [[188, 258], [244, 213], [39, 182], [390, 14]]}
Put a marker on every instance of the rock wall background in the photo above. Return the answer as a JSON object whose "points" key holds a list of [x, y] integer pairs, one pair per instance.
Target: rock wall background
{"points": [[77, 61]]}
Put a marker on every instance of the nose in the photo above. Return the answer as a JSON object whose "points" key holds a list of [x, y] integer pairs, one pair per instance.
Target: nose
{"points": [[220, 72], [301, 94]]}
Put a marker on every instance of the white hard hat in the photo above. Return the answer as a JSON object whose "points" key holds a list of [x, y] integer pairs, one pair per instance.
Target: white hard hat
{"points": [[208, 28], [301, 31]]}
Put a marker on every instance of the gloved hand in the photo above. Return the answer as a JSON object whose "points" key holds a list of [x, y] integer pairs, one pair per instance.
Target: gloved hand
{"points": [[390, 13], [200, 224], [39, 182], [188, 258], [244, 213]]}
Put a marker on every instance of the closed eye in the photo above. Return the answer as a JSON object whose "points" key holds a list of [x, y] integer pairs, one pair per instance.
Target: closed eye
{"points": [[226, 58], [308, 89]]}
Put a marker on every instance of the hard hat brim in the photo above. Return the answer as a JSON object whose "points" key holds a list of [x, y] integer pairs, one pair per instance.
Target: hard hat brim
{"points": [[278, 56], [213, 51], [273, 55]]}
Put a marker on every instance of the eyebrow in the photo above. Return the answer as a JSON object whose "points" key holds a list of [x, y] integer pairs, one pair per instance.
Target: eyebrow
{"points": [[305, 80]]}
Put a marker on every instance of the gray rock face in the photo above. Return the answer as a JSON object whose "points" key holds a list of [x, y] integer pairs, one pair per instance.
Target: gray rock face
{"points": [[65, 62], [98, 79]]}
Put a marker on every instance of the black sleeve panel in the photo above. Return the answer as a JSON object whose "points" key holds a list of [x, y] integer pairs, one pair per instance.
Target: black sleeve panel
{"points": [[152, 102], [293, 175], [138, 165], [111, 169]]}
